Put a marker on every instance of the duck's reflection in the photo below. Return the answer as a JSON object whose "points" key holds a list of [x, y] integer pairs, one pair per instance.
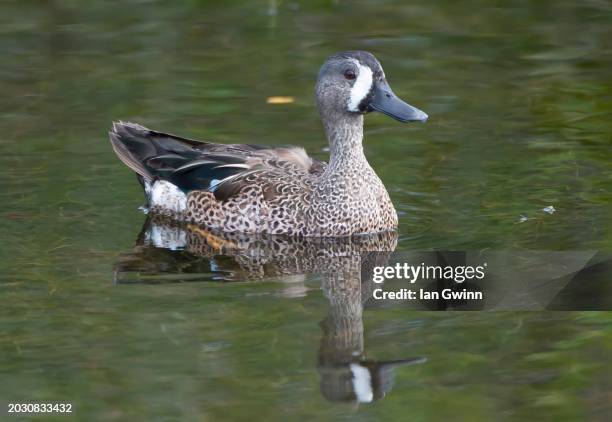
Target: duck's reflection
{"points": [[346, 375], [190, 253]]}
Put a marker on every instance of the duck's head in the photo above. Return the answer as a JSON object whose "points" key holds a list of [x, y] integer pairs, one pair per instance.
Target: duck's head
{"points": [[354, 83]]}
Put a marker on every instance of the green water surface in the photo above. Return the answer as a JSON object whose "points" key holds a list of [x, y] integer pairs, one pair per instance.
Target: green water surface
{"points": [[519, 96]]}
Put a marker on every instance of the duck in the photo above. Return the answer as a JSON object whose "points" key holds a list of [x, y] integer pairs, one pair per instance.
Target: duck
{"points": [[257, 189]]}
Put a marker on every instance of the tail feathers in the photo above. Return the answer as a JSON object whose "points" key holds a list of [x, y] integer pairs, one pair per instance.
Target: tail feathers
{"points": [[187, 164], [135, 145], [127, 157]]}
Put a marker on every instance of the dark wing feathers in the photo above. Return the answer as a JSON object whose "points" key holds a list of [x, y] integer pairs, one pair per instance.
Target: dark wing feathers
{"points": [[196, 165], [127, 156]]}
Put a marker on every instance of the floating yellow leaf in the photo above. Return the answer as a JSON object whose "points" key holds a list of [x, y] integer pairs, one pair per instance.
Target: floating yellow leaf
{"points": [[280, 100]]}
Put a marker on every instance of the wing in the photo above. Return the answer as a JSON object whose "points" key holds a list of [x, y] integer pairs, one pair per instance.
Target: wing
{"points": [[194, 165]]}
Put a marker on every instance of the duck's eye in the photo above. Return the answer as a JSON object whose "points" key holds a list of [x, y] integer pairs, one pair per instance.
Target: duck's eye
{"points": [[349, 74]]}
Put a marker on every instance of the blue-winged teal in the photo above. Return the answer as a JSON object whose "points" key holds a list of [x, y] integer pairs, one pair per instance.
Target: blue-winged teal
{"points": [[259, 189]]}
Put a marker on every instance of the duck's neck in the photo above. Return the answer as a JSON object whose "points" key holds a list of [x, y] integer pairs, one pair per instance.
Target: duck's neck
{"points": [[345, 136]]}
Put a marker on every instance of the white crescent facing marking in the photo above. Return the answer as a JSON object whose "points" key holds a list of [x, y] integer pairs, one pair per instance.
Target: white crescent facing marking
{"points": [[362, 86]]}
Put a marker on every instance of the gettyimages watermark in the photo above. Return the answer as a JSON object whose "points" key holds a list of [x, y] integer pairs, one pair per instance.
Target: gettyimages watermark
{"points": [[490, 280], [411, 273]]}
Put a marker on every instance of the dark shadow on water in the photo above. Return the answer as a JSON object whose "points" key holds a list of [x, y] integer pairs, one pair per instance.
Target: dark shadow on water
{"points": [[167, 252]]}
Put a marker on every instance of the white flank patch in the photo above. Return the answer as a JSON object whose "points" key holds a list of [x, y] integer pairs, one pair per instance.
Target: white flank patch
{"points": [[167, 196], [362, 383], [171, 238], [362, 86]]}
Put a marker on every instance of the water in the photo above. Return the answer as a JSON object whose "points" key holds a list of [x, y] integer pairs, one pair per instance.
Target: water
{"points": [[519, 98]]}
